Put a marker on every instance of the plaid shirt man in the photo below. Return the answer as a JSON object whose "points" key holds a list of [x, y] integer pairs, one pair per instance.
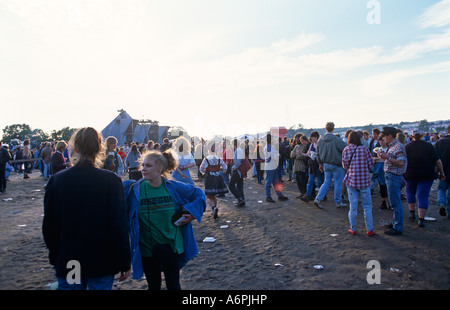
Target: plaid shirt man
{"points": [[396, 151], [358, 166]]}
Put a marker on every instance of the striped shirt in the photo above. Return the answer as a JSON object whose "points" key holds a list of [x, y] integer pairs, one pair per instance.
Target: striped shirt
{"points": [[396, 151], [357, 160]]}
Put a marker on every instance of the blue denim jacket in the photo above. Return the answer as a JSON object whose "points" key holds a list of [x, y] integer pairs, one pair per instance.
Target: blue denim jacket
{"points": [[184, 196]]}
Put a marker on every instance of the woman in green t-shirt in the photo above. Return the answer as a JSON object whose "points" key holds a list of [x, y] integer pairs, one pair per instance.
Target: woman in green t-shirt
{"points": [[160, 213]]}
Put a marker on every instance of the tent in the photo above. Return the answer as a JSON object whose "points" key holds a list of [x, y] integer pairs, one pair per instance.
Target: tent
{"points": [[126, 128]]}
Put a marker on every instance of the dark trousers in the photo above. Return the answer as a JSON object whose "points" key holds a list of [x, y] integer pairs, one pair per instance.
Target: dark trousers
{"points": [[2, 177], [163, 260], [301, 178], [236, 185]]}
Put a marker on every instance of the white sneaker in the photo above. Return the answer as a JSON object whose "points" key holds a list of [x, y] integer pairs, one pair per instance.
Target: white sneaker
{"points": [[317, 204], [341, 205]]}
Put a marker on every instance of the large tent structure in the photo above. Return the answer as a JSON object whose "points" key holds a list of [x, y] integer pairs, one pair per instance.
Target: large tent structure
{"points": [[126, 128]]}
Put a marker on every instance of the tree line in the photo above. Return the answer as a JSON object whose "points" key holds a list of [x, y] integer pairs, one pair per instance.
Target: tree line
{"points": [[36, 136]]}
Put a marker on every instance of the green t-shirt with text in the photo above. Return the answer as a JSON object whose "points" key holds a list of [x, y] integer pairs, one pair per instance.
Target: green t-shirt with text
{"points": [[156, 208]]}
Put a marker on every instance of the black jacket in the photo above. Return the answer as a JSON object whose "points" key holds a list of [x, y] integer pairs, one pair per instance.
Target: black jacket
{"points": [[443, 147], [85, 219]]}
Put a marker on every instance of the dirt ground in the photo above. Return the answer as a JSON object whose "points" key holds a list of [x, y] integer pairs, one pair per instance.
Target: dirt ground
{"points": [[264, 246]]}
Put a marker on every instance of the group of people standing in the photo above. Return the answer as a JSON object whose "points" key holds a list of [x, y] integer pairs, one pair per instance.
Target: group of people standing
{"points": [[108, 225]]}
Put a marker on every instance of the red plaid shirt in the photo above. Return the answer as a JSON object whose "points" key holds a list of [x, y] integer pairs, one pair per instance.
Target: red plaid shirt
{"points": [[358, 175]]}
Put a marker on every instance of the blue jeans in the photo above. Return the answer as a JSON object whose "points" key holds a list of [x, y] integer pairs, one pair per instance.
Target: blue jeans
{"points": [[46, 170], [378, 175], [366, 200], [272, 180], [443, 199], [311, 178], [101, 283], [334, 173], [394, 183]]}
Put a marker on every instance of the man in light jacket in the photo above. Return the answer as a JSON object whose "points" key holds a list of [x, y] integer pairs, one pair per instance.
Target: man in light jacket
{"points": [[329, 156]]}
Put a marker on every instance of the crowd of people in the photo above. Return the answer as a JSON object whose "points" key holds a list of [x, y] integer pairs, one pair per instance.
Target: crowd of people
{"points": [[95, 215]]}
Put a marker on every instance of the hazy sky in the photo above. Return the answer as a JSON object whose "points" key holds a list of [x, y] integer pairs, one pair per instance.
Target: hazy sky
{"points": [[223, 66]]}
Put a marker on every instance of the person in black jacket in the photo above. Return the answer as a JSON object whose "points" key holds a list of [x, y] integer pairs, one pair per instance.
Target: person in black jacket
{"points": [[443, 191], [5, 156], [85, 224]]}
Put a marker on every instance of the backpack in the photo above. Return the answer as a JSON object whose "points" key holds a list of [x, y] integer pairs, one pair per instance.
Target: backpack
{"points": [[111, 163]]}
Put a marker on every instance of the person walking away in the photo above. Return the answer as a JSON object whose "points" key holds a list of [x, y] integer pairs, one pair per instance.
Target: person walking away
{"points": [[85, 219], [395, 163], [329, 156], [420, 174], [357, 160], [160, 212], [211, 167], [443, 191]]}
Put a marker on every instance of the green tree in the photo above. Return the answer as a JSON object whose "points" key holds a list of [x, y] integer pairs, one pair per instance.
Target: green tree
{"points": [[424, 125], [16, 131], [39, 136]]}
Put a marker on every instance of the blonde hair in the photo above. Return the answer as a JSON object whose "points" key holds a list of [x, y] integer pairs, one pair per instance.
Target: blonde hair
{"points": [[61, 145], [86, 145], [110, 140], [166, 160]]}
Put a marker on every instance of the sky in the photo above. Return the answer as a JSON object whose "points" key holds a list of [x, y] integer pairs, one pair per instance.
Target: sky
{"points": [[223, 67]]}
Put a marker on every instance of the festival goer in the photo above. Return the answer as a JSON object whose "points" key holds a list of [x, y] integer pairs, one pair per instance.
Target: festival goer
{"points": [[113, 162], [85, 219], [378, 175], [300, 156], [133, 164], [329, 156], [211, 167], [160, 212], [185, 160], [5, 157], [236, 184], [258, 161], [165, 145], [420, 174], [46, 155], [374, 141], [26, 154], [271, 156], [395, 163], [57, 161], [357, 160], [443, 191], [314, 172]]}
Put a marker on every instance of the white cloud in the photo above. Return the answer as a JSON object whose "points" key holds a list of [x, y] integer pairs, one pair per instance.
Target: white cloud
{"points": [[385, 83], [437, 15]]}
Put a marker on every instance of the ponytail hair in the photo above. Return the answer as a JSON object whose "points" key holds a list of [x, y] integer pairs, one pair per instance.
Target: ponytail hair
{"points": [[166, 160], [86, 145]]}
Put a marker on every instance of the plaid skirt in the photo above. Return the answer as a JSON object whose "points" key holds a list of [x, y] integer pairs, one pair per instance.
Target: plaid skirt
{"points": [[215, 184]]}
